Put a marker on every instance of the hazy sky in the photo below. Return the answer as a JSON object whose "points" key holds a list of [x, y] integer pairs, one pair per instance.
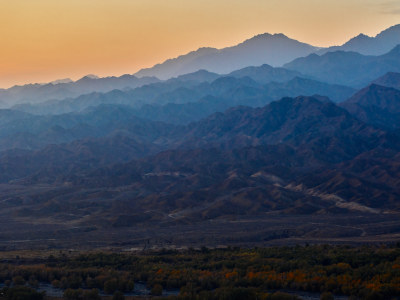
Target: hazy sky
{"points": [[43, 40]]}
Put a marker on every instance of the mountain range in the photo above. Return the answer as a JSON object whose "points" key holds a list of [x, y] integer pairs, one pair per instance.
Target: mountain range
{"points": [[218, 139], [366, 45], [303, 155], [376, 105], [347, 68], [275, 50], [265, 48], [249, 86], [390, 79], [56, 90]]}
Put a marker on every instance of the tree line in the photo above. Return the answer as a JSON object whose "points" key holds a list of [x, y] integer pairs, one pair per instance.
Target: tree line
{"points": [[367, 272]]}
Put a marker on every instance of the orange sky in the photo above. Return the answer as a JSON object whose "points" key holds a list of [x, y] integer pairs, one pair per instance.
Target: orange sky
{"points": [[44, 40]]}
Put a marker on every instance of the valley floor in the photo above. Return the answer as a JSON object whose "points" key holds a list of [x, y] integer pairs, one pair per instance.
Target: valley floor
{"points": [[263, 230]]}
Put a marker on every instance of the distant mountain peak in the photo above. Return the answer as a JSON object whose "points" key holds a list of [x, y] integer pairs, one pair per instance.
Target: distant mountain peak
{"points": [[376, 104], [199, 51], [266, 48], [127, 76], [361, 38], [267, 35], [64, 80], [370, 93], [200, 75], [91, 76], [366, 45], [276, 37], [201, 71], [280, 35], [261, 36]]}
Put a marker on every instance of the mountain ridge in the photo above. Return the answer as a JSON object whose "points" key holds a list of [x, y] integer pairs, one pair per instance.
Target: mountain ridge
{"points": [[39, 93], [376, 105], [382, 43], [390, 79], [261, 49], [347, 68]]}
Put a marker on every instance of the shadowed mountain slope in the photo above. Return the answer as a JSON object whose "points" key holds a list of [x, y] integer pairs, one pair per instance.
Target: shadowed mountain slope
{"points": [[296, 156], [376, 105], [390, 79], [347, 68]]}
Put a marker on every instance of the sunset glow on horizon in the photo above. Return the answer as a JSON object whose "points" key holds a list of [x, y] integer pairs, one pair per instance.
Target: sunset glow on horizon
{"points": [[45, 40]]}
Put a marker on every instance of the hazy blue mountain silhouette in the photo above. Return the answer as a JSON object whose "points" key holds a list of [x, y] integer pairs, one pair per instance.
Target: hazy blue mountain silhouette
{"points": [[38, 93], [274, 50], [363, 44], [177, 101], [347, 68], [266, 73]]}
